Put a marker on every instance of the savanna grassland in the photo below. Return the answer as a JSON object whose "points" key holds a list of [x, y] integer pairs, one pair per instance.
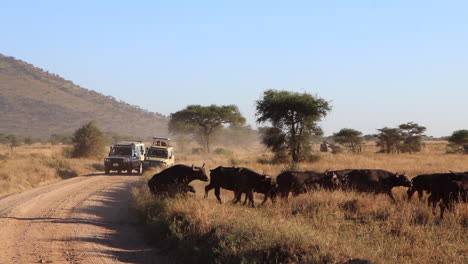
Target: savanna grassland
{"points": [[318, 227], [29, 166]]}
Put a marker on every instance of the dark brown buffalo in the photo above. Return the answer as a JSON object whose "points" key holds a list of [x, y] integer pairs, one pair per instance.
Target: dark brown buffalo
{"points": [[448, 189], [176, 179], [450, 193], [268, 188], [427, 183], [240, 180], [375, 181], [420, 184], [298, 182], [222, 177]]}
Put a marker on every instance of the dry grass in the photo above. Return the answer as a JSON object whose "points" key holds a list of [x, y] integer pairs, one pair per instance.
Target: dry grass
{"points": [[319, 227], [31, 166]]}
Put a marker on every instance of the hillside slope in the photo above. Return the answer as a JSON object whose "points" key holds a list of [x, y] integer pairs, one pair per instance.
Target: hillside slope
{"points": [[37, 103]]}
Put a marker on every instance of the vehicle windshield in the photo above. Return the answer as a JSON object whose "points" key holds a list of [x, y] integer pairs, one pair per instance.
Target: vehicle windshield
{"points": [[121, 151], [157, 153]]}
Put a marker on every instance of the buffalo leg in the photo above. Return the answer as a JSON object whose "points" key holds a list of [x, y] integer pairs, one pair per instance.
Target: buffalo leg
{"points": [[207, 189], [251, 199], [217, 193], [443, 205], [265, 199], [410, 193], [391, 196], [420, 194], [245, 200], [238, 196]]}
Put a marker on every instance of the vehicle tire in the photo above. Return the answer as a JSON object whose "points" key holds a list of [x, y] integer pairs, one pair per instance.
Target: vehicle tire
{"points": [[106, 171], [140, 169]]}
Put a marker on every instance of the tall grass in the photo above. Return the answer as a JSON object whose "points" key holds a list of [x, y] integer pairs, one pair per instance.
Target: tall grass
{"points": [[318, 227], [31, 166]]}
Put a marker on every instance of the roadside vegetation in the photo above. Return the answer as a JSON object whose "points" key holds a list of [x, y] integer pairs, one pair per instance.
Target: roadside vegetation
{"points": [[25, 165], [319, 227], [29, 166]]}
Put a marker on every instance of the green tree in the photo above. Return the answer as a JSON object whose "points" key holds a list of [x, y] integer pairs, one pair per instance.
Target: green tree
{"points": [[350, 138], [389, 139], [275, 139], [28, 140], [13, 141], [88, 141], [459, 140], [295, 115], [413, 135], [202, 121], [3, 139]]}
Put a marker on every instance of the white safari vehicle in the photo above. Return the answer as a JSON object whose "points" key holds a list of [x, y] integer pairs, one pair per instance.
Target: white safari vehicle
{"points": [[159, 154], [125, 156]]}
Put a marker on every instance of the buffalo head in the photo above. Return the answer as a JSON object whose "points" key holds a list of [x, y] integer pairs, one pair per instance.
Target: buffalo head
{"points": [[199, 173], [402, 180], [267, 186]]}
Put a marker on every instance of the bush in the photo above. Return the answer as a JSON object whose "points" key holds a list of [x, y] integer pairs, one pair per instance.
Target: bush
{"points": [[459, 141], [67, 152], [88, 141], [336, 149]]}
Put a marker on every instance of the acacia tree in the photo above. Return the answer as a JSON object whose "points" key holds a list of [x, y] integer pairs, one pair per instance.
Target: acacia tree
{"points": [[295, 116], [13, 141], [202, 121], [459, 140], [389, 139], [88, 141], [413, 134], [350, 138]]}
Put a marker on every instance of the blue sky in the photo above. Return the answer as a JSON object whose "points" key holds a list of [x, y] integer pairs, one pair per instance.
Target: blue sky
{"points": [[380, 63]]}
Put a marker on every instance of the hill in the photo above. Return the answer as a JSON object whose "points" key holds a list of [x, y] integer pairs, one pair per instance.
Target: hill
{"points": [[37, 103]]}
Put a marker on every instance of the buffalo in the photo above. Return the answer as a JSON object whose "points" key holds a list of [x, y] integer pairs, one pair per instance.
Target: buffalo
{"points": [[420, 184], [176, 179], [222, 177], [240, 180], [448, 189], [298, 182], [267, 187], [375, 181]]}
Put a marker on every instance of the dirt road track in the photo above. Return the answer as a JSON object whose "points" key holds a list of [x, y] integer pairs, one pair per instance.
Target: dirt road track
{"points": [[87, 219]]}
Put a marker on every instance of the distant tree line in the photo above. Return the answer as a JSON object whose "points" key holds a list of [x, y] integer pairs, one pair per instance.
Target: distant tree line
{"points": [[291, 120], [292, 125], [14, 141]]}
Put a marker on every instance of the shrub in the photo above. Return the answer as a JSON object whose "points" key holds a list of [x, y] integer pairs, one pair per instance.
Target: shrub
{"points": [[459, 141], [88, 141]]}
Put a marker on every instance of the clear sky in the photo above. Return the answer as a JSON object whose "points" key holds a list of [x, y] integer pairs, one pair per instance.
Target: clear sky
{"points": [[381, 63]]}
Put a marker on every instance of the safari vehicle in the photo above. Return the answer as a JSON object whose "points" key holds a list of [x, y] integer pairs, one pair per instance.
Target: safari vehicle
{"points": [[125, 156], [160, 154]]}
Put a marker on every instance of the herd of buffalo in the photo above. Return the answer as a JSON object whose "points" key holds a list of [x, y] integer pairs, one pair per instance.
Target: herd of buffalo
{"points": [[445, 189]]}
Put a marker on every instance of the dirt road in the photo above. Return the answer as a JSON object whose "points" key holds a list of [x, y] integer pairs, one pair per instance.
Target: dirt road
{"points": [[87, 219]]}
